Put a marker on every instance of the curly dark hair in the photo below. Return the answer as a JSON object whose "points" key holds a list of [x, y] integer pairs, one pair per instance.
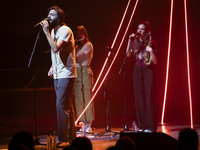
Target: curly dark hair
{"points": [[60, 12]]}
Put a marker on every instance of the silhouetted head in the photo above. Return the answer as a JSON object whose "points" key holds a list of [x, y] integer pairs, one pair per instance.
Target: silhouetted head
{"points": [[126, 143], [21, 140], [188, 139], [114, 148], [82, 143], [69, 148]]}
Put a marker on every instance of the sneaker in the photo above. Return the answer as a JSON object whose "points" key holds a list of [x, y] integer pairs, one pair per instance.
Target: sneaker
{"points": [[88, 129], [80, 125], [140, 130], [147, 131], [63, 144]]}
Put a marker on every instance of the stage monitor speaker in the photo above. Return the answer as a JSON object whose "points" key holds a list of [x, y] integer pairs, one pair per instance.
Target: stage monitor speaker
{"points": [[152, 141]]}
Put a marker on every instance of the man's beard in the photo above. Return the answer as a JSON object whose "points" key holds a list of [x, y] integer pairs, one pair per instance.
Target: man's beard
{"points": [[53, 23]]}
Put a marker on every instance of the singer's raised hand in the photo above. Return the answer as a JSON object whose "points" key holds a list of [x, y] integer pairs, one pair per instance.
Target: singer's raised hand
{"points": [[132, 35], [45, 26]]}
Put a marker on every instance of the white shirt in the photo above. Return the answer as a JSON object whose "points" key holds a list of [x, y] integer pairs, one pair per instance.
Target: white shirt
{"points": [[87, 49], [63, 61]]}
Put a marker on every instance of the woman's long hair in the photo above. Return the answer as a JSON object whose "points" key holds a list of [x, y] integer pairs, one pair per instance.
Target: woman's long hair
{"points": [[84, 31], [147, 39]]}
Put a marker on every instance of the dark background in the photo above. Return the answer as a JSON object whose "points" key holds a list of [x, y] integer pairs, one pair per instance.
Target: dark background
{"points": [[101, 18]]}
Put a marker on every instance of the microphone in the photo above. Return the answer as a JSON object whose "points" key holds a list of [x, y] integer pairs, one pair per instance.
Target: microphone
{"points": [[47, 51], [109, 49], [80, 39], [47, 19], [132, 38], [137, 34]]}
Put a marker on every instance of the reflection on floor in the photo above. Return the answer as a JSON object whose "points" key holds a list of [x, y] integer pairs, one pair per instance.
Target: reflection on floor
{"points": [[102, 142]]}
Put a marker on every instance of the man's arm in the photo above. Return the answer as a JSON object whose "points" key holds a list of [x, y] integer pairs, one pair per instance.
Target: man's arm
{"points": [[50, 73], [54, 46]]}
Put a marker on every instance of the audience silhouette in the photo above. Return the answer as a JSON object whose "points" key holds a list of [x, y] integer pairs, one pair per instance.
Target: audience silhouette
{"points": [[188, 139], [126, 143], [69, 148], [114, 148], [22, 140], [82, 143]]}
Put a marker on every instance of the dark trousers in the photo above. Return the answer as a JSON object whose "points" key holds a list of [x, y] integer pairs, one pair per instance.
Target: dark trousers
{"points": [[65, 112], [144, 91]]}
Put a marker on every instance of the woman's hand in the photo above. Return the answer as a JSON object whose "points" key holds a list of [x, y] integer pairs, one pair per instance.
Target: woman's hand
{"points": [[149, 49], [132, 35], [153, 57]]}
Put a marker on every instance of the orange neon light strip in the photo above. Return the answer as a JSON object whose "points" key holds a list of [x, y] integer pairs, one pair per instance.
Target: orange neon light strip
{"points": [[100, 73], [168, 58], [111, 46], [188, 65], [164, 129], [110, 65]]}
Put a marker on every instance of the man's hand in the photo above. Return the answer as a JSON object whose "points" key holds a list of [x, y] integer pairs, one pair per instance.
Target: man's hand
{"points": [[50, 73], [45, 26]]}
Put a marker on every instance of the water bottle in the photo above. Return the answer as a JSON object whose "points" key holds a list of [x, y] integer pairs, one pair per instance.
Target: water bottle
{"points": [[83, 129], [53, 142], [48, 142], [134, 127]]}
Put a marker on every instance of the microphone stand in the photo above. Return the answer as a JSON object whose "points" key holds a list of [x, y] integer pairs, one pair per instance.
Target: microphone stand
{"points": [[107, 101], [36, 142], [124, 76]]}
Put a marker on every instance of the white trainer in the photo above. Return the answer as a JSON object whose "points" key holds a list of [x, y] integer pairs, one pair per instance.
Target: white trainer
{"points": [[88, 129], [147, 131], [140, 130]]}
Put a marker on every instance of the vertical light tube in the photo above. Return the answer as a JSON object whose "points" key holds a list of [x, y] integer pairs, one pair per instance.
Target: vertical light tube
{"points": [[111, 46], [110, 65], [168, 59], [164, 129], [188, 64]]}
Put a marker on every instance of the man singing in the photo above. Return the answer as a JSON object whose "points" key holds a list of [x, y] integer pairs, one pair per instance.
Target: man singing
{"points": [[63, 71]]}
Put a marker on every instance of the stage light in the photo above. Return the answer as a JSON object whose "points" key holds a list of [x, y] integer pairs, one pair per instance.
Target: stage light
{"points": [[164, 129], [111, 46], [110, 64], [188, 64], [168, 59]]}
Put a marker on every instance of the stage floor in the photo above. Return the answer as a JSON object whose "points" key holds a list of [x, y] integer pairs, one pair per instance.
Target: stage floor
{"points": [[108, 139]]}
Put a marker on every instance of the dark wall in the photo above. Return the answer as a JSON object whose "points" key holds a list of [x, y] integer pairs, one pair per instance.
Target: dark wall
{"points": [[102, 18]]}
